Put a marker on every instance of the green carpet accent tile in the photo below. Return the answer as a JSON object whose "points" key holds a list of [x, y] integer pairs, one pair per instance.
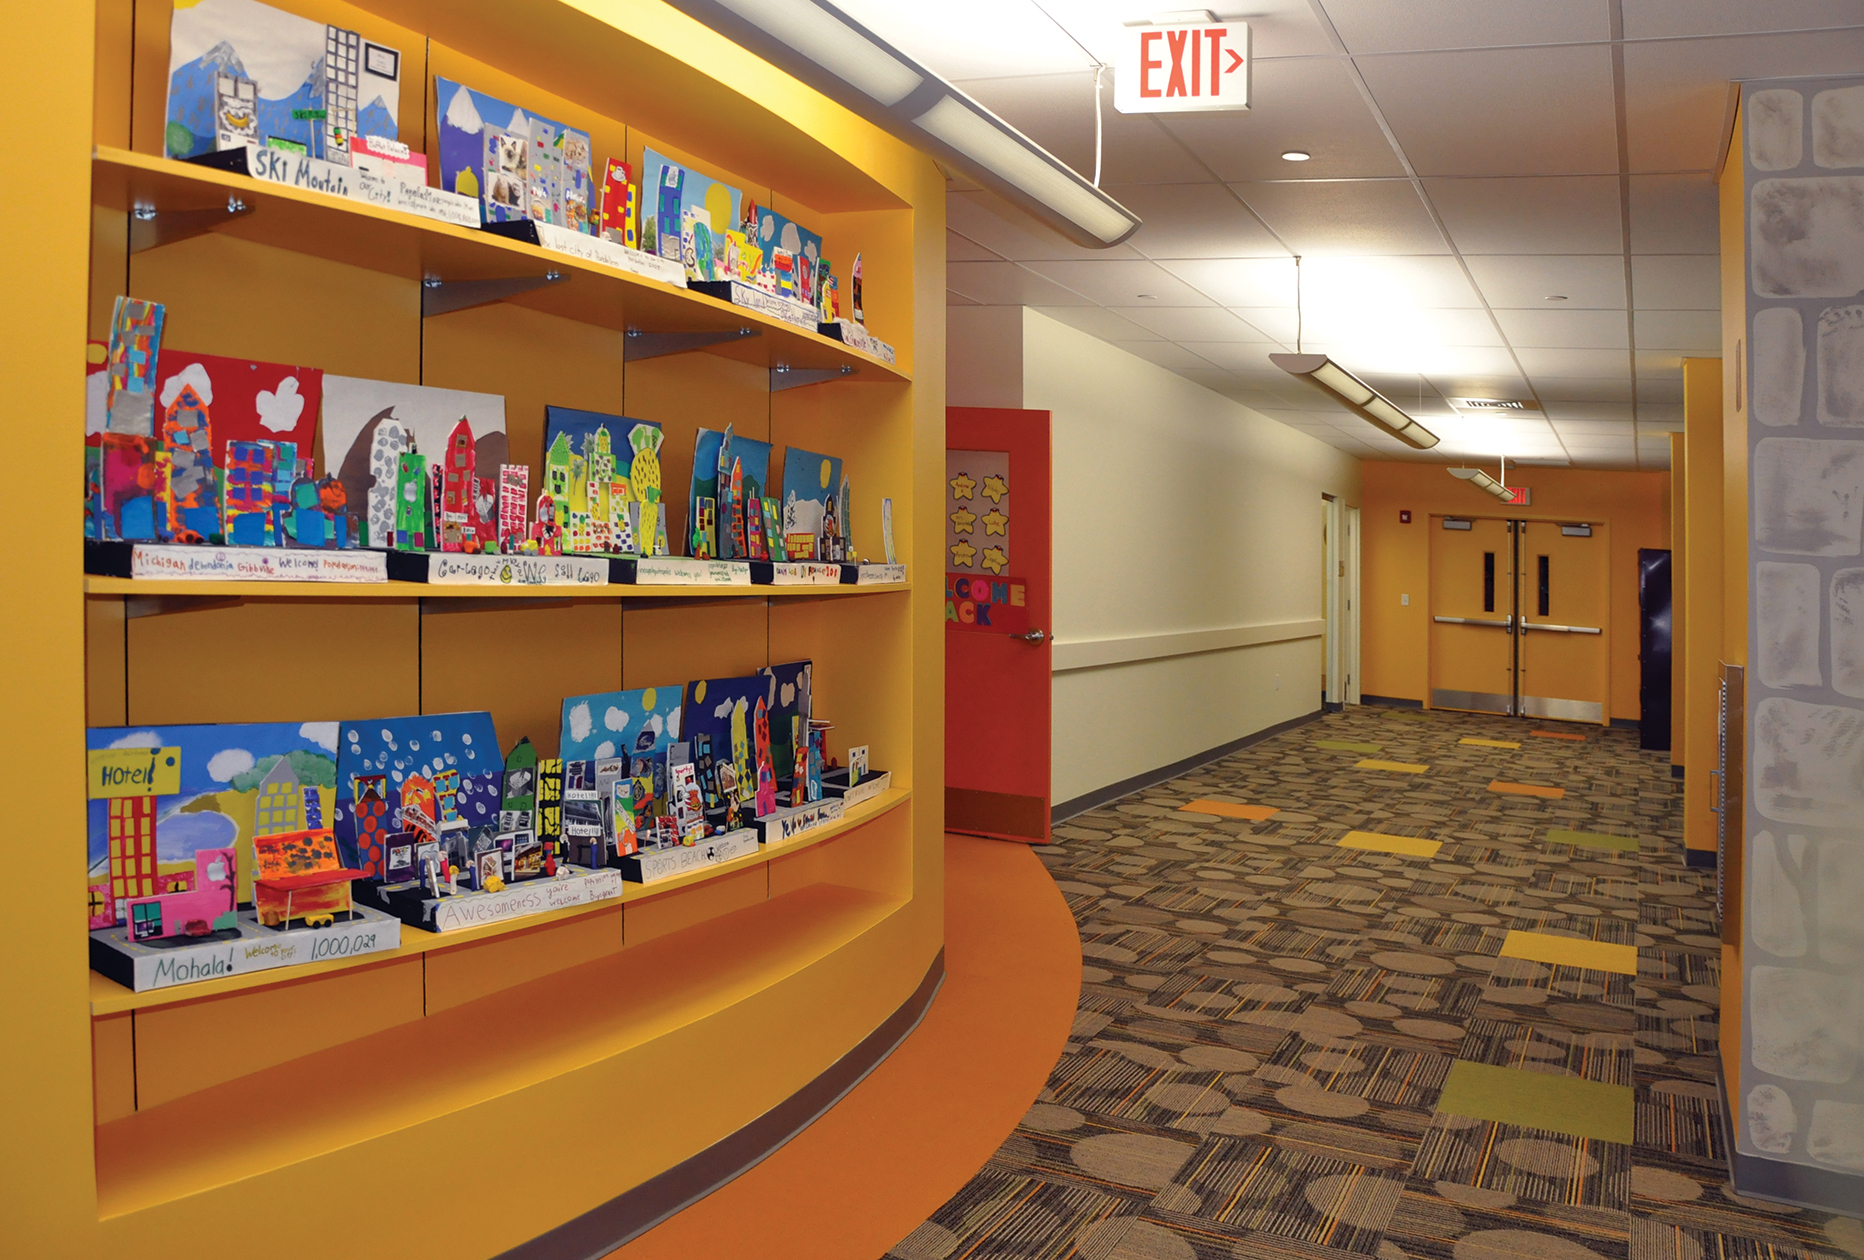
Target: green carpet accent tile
{"points": [[1592, 840], [1346, 745], [1540, 1100], [1287, 1048]]}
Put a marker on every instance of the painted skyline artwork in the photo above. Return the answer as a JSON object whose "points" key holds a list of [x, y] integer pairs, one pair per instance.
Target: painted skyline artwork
{"points": [[243, 72], [395, 750], [636, 723]]}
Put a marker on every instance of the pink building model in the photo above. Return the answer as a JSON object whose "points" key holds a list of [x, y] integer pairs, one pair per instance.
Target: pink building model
{"points": [[208, 907]]}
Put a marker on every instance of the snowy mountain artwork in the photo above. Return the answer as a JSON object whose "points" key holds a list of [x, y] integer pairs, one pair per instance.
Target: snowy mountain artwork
{"points": [[283, 56]]}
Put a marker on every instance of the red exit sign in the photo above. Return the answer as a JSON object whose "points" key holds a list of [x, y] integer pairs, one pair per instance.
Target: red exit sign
{"points": [[1169, 68], [1518, 496]]}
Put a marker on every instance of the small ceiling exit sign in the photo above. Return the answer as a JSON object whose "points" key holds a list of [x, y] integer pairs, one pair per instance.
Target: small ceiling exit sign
{"points": [[1170, 67], [1519, 496]]}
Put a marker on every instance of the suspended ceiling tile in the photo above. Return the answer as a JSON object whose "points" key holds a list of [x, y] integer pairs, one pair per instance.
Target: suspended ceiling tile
{"points": [[1650, 19], [1194, 221], [1570, 214], [1565, 329], [1676, 91], [959, 299], [1192, 323], [1346, 217], [1117, 283], [1675, 214], [1164, 353], [1594, 364], [1540, 111], [1008, 284], [1098, 321], [963, 249], [1057, 112], [1669, 414], [1245, 357], [1557, 389], [1310, 104], [1586, 414], [990, 221], [1240, 281], [1376, 26], [1699, 332], [1676, 282], [1474, 385], [1660, 391], [1589, 282]]}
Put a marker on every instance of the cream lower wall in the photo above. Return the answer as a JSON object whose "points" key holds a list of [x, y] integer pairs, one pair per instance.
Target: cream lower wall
{"points": [[1176, 511], [1118, 721]]}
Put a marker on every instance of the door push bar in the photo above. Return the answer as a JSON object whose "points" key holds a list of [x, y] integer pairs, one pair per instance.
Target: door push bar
{"points": [[1507, 623], [1533, 625]]}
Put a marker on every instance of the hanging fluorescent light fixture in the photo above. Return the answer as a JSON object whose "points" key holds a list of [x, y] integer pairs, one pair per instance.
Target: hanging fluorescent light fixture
{"points": [[1360, 398], [1482, 481], [817, 43]]}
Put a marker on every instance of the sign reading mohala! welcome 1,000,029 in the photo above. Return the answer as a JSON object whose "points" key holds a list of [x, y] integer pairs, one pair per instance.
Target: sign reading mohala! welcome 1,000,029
{"points": [[1168, 68]]}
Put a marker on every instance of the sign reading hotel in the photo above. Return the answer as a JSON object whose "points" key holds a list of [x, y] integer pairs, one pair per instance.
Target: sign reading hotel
{"points": [[1186, 67]]}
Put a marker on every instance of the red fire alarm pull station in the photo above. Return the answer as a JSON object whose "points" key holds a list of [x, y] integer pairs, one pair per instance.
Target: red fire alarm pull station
{"points": [[1404, 516]]}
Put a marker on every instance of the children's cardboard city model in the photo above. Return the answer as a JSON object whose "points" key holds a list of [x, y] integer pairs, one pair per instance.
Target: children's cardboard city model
{"points": [[520, 165], [686, 215], [602, 476], [241, 73], [614, 748], [420, 465], [812, 529]]}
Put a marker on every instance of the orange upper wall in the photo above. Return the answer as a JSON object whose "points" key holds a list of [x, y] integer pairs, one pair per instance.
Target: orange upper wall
{"points": [[1395, 639]]}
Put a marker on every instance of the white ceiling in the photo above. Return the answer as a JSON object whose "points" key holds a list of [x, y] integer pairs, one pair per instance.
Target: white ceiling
{"points": [[1470, 159]]}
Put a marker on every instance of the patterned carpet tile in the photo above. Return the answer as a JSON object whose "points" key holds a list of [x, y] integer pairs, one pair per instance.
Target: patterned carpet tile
{"points": [[1275, 1032]]}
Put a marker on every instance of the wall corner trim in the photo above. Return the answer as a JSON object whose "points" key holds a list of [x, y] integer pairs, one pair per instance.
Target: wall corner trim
{"points": [[1094, 653]]}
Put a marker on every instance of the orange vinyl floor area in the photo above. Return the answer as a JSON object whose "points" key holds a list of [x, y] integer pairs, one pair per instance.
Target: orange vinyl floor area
{"points": [[914, 1132]]}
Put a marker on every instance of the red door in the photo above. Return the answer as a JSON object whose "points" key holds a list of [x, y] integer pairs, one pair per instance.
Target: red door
{"points": [[997, 604]]}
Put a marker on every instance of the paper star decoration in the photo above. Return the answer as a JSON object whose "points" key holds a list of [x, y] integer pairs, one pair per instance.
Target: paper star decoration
{"points": [[995, 560], [962, 485], [995, 522], [963, 554], [964, 520], [995, 488]]}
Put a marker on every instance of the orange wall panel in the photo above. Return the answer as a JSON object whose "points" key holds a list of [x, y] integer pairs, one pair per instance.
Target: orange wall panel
{"points": [[695, 903], [1395, 638], [113, 1066], [192, 1045], [457, 976]]}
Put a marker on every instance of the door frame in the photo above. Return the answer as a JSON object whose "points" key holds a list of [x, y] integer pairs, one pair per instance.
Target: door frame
{"points": [[1350, 628], [1332, 593]]}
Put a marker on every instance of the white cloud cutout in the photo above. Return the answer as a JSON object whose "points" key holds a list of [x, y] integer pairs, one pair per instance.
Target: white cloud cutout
{"points": [[226, 763], [789, 694], [194, 374], [673, 724], [724, 708], [605, 749], [323, 734], [137, 739], [279, 411], [582, 724], [615, 719]]}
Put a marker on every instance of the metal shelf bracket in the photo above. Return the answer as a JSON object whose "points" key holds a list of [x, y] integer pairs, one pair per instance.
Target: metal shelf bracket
{"points": [[438, 297], [149, 227], [651, 345], [795, 378]]}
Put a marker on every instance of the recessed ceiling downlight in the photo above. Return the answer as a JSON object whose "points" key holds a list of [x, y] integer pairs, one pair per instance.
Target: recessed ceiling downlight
{"points": [[1296, 155], [1555, 297]]}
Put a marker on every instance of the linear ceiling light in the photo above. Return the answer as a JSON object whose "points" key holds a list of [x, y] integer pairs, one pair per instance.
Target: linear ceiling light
{"points": [[1359, 397], [1482, 481], [883, 85], [834, 45]]}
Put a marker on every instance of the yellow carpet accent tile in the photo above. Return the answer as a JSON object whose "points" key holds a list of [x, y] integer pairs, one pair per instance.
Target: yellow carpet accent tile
{"points": [[1489, 743], [1527, 789], [1403, 767], [1230, 809], [1556, 735], [1568, 951], [1540, 1100], [1379, 842]]}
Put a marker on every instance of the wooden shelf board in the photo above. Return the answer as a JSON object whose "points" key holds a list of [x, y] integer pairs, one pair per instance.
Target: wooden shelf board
{"points": [[417, 248], [488, 1048], [159, 587], [107, 997]]}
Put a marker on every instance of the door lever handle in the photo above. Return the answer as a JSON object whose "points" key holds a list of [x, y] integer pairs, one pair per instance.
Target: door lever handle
{"points": [[1033, 636]]}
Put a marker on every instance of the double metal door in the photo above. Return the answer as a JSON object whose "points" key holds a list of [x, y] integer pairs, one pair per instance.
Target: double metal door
{"points": [[1518, 613]]}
